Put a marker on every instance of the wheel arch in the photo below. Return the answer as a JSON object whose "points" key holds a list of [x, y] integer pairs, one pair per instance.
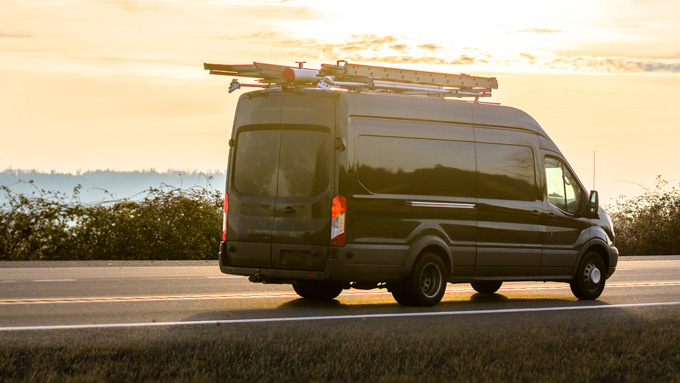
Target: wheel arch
{"points": [[596, 246], [431, 244]]}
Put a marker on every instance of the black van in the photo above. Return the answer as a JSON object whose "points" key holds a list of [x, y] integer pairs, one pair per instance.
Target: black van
{"points": [[329, 190]]}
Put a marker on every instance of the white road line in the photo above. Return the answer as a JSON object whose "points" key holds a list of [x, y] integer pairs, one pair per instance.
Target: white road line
{"points": [[334, 317], [54, 280]]}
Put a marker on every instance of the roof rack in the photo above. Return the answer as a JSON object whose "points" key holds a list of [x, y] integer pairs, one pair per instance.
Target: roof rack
{"points": [[356, 77]]}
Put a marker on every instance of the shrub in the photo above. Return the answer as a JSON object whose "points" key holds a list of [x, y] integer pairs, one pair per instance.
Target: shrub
{"points": [[648, 224], [167, 223]]}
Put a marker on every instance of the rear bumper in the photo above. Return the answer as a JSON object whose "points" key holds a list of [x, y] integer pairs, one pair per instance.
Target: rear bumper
{"points": [[359, 263]]}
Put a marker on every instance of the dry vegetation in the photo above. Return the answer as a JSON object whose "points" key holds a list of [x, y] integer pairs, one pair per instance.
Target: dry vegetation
{"points": [[174, 223], [168, 223], [570, 350]]}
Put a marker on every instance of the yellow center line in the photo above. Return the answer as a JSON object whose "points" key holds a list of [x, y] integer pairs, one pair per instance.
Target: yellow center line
{"points": [[193, 297]]}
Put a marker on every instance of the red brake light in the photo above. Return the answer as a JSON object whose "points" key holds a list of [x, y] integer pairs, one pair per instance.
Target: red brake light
{"points": [[338, 210], [224, 217]]}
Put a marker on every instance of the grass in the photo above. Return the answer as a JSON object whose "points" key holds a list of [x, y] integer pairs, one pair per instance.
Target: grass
{"points": [[631, 350]]}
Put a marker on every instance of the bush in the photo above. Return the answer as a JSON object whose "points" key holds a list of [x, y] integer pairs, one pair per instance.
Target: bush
{"points": [[174, 223], [168, 223], [648, 224]]}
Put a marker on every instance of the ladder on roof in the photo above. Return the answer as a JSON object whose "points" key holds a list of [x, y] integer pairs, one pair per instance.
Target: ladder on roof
{"points": [[360, 78]]}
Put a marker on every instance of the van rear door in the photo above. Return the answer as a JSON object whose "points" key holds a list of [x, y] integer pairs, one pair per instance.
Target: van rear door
{"points": [[281, 177], [252, 197], [301, 229]]}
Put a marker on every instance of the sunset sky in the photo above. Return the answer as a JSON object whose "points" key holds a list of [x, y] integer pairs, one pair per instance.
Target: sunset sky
{"points": [[107, 84]]}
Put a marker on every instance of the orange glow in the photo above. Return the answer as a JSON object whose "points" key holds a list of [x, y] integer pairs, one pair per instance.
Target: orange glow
{"points": [[598, 75]]}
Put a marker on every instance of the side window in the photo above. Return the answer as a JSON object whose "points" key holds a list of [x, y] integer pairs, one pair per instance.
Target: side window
{"points": [[506, 172], [564, 191], [395, 165]]}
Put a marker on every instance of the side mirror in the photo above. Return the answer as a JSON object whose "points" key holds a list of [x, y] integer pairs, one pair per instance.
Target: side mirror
{"points": [[593, 206]]}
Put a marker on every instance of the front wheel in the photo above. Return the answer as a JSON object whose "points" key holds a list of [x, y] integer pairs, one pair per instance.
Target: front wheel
{"points": [[590, 277], [319, 290], [426, 284]]}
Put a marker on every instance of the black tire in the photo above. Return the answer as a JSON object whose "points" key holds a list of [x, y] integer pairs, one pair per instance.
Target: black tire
{"points": [[426, 284], [484, 287], [590, 277], [319, 290], [401, 294]]}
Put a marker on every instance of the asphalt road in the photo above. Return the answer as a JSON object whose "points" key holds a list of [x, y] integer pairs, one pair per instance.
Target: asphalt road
{"points": [[40, 301]]}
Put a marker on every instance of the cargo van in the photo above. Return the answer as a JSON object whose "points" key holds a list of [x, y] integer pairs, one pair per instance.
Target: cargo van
{"points": [[331, 189]]}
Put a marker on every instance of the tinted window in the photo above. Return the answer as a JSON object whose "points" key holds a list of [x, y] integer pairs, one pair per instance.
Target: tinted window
{"points": [[506, 172], [395, 165], [563, 190], [256, 162], [304, 163], [284, 163]]}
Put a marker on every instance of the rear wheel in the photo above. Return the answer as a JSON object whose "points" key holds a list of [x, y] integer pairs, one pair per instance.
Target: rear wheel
{"points": [[426, 284], [321, 290], [486, 287], [590, 277]]}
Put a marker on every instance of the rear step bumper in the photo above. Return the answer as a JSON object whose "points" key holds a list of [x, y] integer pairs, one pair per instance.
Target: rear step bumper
{"points": [[348, 263]]}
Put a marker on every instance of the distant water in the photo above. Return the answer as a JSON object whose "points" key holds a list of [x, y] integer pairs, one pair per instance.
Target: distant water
{"points": [[106, 185]]}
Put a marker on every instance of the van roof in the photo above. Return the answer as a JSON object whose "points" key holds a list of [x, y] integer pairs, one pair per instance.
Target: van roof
{"points": [[426, 108]]}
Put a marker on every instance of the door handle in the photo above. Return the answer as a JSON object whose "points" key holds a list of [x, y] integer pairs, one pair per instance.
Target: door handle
{"points": [[552, 215], [536, 213], [288, 210]]}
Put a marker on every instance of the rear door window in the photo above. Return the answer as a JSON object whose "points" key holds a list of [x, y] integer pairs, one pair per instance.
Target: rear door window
{"points": [[304, 163], [256, 164], [282, 162]]}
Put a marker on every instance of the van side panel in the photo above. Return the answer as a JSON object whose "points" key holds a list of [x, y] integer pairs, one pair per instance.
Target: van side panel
{"points": [[413, 179], [510, 235]]}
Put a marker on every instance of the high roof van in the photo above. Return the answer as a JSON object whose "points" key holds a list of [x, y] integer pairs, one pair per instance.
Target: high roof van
{"points": [[331, 190]]}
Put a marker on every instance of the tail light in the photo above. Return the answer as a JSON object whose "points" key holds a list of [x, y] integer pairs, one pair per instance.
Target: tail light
{"points": [[224, 216], [338, 210]]}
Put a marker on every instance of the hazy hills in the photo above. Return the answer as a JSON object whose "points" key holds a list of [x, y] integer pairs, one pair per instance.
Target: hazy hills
{"points": [[101, 185]]}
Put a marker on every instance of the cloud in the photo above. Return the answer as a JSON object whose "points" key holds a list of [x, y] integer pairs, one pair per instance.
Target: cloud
{"points": [[100, 66], [587, 64], [430, 47], [266, 11], [539, 30], [273, 12], [14, 35]]}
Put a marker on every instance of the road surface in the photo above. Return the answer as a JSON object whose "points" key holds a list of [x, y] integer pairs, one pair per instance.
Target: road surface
{"points": [[39, 301]]}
